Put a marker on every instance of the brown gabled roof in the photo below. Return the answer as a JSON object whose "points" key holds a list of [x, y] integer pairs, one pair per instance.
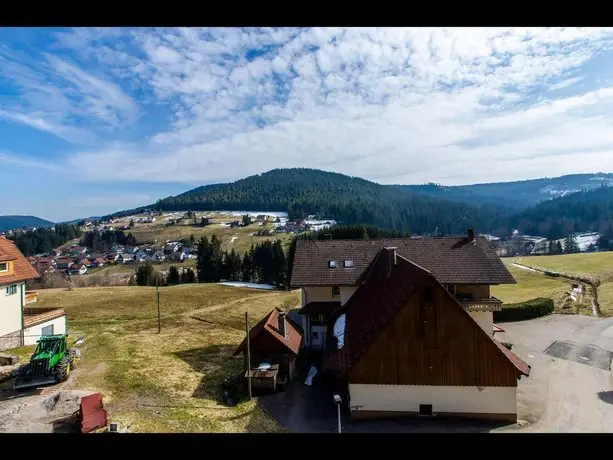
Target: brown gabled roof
{"points": [[452, 260], [22, 269], [314, 308], [375, 304], [268, 325]]}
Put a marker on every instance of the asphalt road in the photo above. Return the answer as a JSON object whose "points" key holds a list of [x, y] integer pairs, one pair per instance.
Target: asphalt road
{"points": [[570, 388]]}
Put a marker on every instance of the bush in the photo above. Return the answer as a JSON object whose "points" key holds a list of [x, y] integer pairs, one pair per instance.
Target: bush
{"points": [[525, 310]]}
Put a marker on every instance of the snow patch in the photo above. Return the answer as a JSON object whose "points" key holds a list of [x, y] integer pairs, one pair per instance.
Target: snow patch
{"points": [[339, 331], [525, 268], [241, 284], [312, 373], [234, 238]]}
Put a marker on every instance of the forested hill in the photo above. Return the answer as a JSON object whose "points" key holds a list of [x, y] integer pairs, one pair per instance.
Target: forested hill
{"points": [[518, 194], [347, 199], [15, 222], [578, 212]]}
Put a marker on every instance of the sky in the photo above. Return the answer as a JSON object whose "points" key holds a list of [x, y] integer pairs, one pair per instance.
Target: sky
{"points": [[95, 120]]}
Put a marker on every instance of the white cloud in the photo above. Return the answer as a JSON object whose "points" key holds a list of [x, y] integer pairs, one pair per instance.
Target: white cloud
{"points": [[388, 104]]}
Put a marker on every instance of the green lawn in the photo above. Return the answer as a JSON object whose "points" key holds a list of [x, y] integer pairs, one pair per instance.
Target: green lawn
{"points": [[168, 382]]}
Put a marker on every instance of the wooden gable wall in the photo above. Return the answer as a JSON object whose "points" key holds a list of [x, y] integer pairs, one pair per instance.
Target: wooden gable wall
{"points": [[431, 341]]}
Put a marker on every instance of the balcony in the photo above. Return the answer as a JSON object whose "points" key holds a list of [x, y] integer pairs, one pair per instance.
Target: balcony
{"points": [[487, 304], [34, 316], [31, 297]]}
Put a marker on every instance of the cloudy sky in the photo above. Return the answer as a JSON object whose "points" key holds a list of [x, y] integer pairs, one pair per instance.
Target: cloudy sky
{"points": [[96, 120]]}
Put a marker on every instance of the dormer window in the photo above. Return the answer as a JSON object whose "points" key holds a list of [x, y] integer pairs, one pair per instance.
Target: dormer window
{"points": [[332, 264], [348, 263], [4, 267]]}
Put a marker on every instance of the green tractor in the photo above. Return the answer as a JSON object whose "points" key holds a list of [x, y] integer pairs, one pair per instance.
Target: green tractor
{"points": [[50, 363]]}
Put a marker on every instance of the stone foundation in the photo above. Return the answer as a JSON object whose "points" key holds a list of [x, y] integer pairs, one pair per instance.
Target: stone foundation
{"points": [[12, 340]]}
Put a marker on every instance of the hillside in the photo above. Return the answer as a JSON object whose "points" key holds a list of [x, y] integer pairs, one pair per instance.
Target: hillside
{"points": [[578, 212], [518, 194], [14, 222], [301, 192]]}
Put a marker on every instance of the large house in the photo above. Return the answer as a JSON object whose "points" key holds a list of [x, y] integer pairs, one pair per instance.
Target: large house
{"points": [[407, 324], [21, 325]]}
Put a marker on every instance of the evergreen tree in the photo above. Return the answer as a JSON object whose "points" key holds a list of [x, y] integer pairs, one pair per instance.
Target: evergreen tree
{"points": [[144, 273], [188, 276], [280, 264], [247, 266], [131, 223], [570, 245], [559, 248], [173, 275], [246, 219], [203, 259], [192, 240]]}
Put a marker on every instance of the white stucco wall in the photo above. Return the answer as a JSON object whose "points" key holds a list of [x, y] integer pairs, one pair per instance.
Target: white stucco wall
{"points": [[407, 398], [10, 309], [32, 334], [485, 319], [324, 294]]}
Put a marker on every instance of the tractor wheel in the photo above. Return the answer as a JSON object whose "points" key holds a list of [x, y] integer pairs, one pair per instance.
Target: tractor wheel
{"points": [[72, 354], [62, 370]]}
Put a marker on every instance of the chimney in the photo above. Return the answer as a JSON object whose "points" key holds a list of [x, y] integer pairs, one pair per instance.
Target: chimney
{"points": [[392, 260], [470, 234], [281, 325]]}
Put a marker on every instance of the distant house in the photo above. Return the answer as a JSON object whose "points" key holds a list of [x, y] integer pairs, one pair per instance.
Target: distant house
{"points": [[141, 256], [99, 262], [63, 263], [158, 256], [78, 269], [77, 250], [178, 256], [85, 262], [274, 344], [112, 257]]}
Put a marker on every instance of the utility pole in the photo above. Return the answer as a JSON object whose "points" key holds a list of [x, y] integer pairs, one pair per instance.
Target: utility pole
{"points": [[248, 354], [157, 293]]}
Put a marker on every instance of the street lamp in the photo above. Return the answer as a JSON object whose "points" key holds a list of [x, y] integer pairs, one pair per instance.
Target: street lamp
{"points": [[338, 401]]}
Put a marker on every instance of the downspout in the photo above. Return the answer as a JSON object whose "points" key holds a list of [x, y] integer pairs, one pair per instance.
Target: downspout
{"points": [[22, 294]]}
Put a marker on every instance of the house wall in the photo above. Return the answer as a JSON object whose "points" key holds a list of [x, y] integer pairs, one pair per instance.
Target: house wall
{"points": [[324, 294], [33, 333], [478, 291], [480, 402], [485, 319], [444, 345], [11, 309]]}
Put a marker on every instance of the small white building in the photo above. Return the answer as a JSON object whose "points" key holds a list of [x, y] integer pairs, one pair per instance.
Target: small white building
{"points": [[21, 325]]}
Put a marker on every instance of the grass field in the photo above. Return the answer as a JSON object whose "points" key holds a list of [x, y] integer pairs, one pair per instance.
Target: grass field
{"points": [[598, 264], [239, 238], [168, 382]]}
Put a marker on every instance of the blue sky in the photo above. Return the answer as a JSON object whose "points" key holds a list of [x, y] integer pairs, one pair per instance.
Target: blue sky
{"points": [[96, 120]]}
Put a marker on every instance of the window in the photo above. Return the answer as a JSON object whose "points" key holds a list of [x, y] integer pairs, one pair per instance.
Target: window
{"points": [[12, 289], [336, 291], [47, 330], [4, 267], [332, 264], [348, 263]]}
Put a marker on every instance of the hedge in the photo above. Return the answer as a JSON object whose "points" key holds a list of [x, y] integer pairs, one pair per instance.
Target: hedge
{"points": [[524, 310]]}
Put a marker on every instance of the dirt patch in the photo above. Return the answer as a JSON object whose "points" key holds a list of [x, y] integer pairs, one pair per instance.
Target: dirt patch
{"points": [[41, 414]]}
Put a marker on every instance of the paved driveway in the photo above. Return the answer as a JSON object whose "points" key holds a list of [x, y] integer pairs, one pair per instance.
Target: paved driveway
{"points": [[570, 388]]}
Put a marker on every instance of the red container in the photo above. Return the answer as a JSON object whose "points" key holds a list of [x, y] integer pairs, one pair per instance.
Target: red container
{"points": [[92, 413]]}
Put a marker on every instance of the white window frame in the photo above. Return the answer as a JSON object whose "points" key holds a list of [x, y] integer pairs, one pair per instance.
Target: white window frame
{"points": [[6, 267], [11, 290], [332, 264], [348, 263]]}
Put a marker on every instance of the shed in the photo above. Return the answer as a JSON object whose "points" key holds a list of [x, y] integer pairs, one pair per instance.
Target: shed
{"points": [[274, 345]]}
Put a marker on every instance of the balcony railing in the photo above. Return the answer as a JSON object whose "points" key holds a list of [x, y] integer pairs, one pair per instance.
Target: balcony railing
{"points": [[487, 304], [34, 316]]}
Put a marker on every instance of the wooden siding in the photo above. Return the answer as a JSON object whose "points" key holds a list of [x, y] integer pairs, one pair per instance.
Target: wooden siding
{"points": [[433, 343]]}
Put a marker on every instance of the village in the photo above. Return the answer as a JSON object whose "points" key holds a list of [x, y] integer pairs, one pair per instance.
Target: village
{"points": [[77, 260]]}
